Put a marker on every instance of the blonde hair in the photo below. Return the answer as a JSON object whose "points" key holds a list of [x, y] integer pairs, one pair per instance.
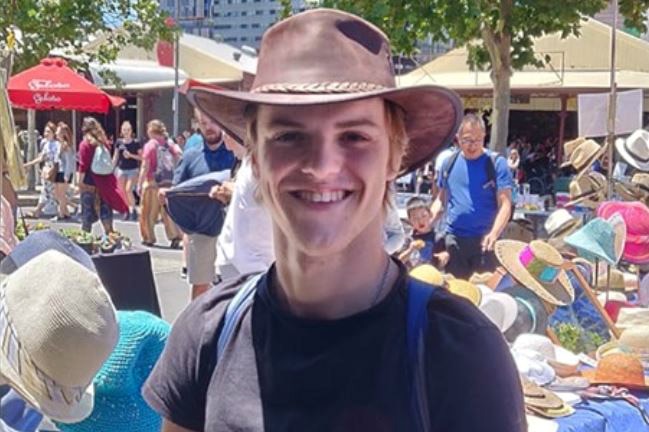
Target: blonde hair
{"points": [[395, 121], [157, 127]]}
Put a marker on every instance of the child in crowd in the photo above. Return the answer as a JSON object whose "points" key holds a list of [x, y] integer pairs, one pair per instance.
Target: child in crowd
{"points": [[423, 237]]}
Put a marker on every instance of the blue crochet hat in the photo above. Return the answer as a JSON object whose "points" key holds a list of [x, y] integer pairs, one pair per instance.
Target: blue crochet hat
{"points": [[119, 405], [595, 240]]}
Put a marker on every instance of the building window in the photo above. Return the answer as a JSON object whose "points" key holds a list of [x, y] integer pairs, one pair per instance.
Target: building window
{"points": [[243, 39], [230, 39], [222, 27], [244, 13], [216, 14], [255, 25], [243, 26], [259, 12], [257, 38], [272, 11]]}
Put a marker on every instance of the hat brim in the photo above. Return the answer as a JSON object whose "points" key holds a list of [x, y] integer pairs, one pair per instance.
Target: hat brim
{"points": [[559, 293], [622, 151], [590, 375], [432, 113], [566, 229], [587, 200], [589, 162], [66, 413]]}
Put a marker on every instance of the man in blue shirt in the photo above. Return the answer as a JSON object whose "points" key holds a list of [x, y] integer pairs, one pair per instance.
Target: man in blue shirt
{"points": [[475, 187], [210, 156]]}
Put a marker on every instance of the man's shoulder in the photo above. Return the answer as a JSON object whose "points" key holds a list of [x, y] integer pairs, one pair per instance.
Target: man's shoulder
{"points": [[451, 313]]}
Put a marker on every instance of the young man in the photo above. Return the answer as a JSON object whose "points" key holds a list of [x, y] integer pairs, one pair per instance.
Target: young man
{"points": [[322, 343], [475, 192], [211, 156]]}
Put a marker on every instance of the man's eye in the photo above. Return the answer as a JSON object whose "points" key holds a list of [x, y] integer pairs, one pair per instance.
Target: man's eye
{"points": [[288, 137], [354, 137]]}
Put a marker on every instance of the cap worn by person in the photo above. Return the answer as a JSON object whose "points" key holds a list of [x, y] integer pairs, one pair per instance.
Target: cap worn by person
{"points": [[55, 336], [347, 59]]}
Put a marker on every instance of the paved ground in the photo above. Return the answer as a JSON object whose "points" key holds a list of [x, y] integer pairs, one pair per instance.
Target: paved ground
{"points": [[173, 291]]}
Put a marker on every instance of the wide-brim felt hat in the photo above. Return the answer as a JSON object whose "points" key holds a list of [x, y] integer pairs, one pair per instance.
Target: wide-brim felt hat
{"points": [[326, 56], [635, 149], [550, 282]]}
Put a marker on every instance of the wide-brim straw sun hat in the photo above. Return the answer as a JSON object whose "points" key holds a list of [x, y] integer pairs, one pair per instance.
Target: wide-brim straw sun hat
{"points": [[57, 327], [119, 405], [635, 149], [588, 190], [538, 266], [326, 56], [428, 273], [570, 146], [584, 155], [620, 369]]}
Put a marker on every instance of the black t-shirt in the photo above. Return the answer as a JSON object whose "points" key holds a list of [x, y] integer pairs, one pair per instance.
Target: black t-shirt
{"points": [[133, 147], [342, 375]]}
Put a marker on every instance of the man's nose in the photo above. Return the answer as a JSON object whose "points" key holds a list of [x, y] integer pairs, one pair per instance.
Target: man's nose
{"points": [[322, 159]]}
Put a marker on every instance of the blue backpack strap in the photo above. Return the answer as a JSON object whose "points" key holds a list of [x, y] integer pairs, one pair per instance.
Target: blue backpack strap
{"points": [[235, 311], [419, 294]]}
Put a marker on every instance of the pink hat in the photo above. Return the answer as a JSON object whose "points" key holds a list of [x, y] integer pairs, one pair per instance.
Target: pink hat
{"points": [[636, 217]]}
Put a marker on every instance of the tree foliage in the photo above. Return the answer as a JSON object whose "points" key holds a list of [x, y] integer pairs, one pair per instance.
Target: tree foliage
{"points": [[39, 26], [499, 34]]}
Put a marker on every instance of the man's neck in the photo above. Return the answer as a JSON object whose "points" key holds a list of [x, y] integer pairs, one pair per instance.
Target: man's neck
{"points": [[473, 156], [213, 146], [332, 287]]}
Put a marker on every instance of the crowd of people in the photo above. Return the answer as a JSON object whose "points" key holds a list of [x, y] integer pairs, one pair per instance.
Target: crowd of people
{"points": [[312, 308]]}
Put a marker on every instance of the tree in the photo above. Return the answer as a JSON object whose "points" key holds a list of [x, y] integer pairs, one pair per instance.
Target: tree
{"points": [[499, 34], [32, 28]]}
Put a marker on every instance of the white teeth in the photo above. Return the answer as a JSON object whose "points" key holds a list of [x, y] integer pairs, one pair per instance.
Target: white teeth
{"points": [[325, 197]]}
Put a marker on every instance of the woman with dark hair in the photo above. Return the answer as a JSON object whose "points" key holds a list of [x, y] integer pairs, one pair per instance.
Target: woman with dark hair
{"points": [[97, 183], [67, 161]]}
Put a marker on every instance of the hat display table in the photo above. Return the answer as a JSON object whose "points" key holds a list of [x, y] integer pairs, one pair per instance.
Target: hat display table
{"points": [[128, 277], [607, 415]]}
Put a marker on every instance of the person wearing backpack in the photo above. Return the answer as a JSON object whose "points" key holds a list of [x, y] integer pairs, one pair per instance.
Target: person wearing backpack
{"points": [[475, 194], [335, 335], [97, 183], [159, 159]]}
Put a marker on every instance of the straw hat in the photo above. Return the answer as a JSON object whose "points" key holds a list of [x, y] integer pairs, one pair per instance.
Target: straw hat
{"points": [[587, 191], [596, 239], [617, 282], [633, 340], [636, 220], [619, 369], [635, 149], [562, 361], [570, 146], [537, 266], [119, 405], [56, 335], [584, 155], [325, 56], [632, 316], [615, 296], [642, 181], [465, 289], [560, 220], [428, 273]]}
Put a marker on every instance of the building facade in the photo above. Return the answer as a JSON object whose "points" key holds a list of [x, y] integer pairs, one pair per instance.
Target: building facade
{"points": [[236, 22]]}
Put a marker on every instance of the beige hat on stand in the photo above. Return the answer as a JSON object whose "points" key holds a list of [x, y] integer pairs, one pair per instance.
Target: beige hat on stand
{"points": [[57, 328], [629, 317], [570, 146], [635, 149], [588, 191], [584, 155]]}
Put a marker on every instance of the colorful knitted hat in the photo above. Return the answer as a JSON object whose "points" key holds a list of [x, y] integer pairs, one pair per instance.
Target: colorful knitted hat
{"points": [[119, 405]]}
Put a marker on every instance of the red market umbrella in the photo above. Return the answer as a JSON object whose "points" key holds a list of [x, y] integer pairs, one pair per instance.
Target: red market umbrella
{"points": [[53, 85]]}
